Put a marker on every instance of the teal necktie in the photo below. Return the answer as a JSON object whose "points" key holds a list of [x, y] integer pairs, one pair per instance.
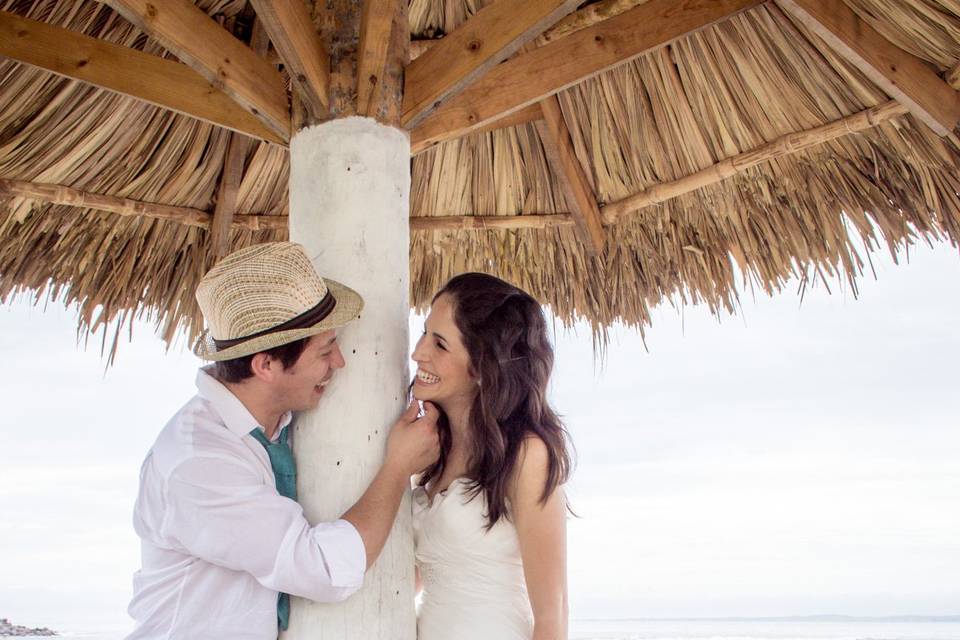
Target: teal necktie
{"points": [[285, 472]]}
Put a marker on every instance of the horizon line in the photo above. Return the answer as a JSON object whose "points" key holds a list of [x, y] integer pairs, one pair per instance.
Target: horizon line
{"points": [[814, 617]]}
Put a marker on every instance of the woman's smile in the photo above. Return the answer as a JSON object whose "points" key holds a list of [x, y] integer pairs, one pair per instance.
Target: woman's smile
{"points": [[424, 377]]}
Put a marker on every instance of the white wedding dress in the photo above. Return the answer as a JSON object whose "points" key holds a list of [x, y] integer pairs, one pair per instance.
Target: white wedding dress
{"points": [[473, 584]]}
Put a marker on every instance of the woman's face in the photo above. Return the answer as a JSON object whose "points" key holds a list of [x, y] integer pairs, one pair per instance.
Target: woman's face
{"points": [[443, 364]]}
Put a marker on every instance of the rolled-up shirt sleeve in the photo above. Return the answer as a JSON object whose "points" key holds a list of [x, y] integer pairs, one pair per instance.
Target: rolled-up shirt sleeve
{"points": [[221, 511]]}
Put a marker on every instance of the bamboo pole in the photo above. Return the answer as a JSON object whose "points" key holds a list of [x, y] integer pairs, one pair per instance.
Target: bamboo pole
{"points": [[587, 17], [611, 212], [783, 146], [59, 194], [481, 223]]}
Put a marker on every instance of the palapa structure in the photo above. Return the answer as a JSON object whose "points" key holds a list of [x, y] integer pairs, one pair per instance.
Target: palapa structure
{"points": [[605, 155], [714, 136]]}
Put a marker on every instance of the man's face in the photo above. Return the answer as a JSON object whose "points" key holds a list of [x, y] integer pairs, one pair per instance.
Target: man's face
{"points": [[300, 386]]}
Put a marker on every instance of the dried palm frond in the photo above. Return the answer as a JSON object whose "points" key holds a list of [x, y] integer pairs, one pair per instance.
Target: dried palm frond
{"points": [[668, 114]]}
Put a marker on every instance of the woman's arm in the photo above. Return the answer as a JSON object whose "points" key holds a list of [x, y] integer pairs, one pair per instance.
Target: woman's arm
{"points": [[542, 530]]}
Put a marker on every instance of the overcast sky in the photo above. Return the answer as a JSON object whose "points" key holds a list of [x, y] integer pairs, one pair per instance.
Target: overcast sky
{"points": [[794, 459]]}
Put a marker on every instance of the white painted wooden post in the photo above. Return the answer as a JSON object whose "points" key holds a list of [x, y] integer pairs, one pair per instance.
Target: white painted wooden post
{"points": [[349, 206]]}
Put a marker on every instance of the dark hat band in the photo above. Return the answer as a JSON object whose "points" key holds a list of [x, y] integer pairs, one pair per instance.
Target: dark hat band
{"points": [[307, 319]]}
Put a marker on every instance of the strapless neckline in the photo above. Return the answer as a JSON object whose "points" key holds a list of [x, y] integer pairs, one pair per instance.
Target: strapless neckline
{"points": [[473, 583], [429, 502]]}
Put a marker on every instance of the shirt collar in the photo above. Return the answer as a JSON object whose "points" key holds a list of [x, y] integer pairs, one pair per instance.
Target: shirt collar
{"points": [[236, 417]]}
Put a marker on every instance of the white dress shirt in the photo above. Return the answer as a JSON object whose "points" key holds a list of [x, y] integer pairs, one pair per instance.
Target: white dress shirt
{"points": [[218, 541]]}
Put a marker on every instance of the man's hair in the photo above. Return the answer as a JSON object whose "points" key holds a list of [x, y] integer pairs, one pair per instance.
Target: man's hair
{"points": [[238, 369]]}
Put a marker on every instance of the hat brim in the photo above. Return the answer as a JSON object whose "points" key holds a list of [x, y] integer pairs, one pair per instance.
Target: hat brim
{"points": [[349, 305]]}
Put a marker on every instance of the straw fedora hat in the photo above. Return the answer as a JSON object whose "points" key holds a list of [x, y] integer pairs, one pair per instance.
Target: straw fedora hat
{"points": [[265, 296]]}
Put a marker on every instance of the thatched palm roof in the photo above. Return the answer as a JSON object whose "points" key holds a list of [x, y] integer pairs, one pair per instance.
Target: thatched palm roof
{"points": [[680, 109]]}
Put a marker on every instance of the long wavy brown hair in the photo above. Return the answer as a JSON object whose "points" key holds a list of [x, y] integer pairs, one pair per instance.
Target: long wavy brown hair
{"points": [[505, 333]]}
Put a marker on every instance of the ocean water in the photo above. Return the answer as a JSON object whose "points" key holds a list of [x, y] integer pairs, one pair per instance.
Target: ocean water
{"points": [[710, 630], [761, 630]]}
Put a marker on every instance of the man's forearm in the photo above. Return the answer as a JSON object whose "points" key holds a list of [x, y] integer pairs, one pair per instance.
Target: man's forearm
{"points": [[374, 513]]}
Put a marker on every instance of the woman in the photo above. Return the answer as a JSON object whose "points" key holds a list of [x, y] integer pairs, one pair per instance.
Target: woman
{"points": [[490, 515]]}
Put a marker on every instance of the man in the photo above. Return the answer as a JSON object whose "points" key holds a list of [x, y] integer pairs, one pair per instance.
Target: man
{"points": [[224, 542]]}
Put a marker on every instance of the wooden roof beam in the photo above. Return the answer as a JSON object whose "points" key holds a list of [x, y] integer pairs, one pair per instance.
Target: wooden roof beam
{"points": [[214, 53], [164, 83], [571, 176], [288, 24], [532, 76], [234, 163], [377, 22], [952, 76], [903, 76], [488, 38], [225, 209], [531, 113], [588, 16], [781, 147]]}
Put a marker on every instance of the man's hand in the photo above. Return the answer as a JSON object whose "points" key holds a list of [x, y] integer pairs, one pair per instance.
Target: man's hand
{"points": [[414, 443]]}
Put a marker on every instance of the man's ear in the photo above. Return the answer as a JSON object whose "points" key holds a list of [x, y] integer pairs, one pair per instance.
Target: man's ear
{"points": [[264, 367]]}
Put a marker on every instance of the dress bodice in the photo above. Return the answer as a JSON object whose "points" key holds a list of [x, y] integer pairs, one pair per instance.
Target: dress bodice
{"points": [[473, 583]]}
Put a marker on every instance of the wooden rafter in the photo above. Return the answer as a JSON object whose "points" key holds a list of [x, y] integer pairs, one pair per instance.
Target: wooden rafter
{"points": [[298, 44], [164, 83], [234, 162], [903, 76], [260, 43], [588, 16], [376, 26], [59, 194], [531, 113], [226, 207], [952, 77], [781, 147], [570, 176], [210, 50], [491, 36], [420, 46], [532, 76]]}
